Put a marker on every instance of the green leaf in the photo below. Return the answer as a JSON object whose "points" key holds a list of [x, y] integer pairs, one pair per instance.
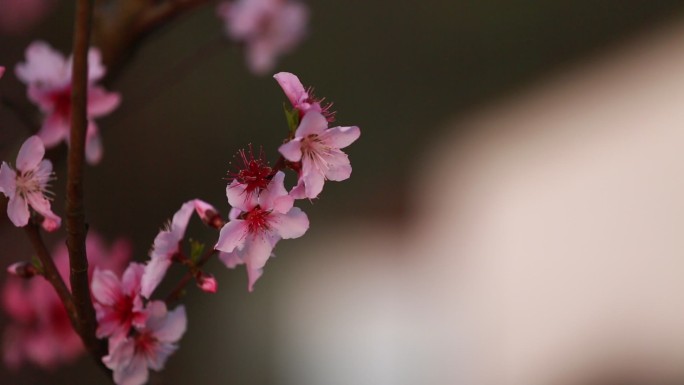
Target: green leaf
{"points": [[196, 250], [37, 264], [292, 117]]}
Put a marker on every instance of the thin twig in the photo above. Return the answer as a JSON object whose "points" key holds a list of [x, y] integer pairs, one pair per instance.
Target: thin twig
{"points": [[75, 215], [177, 292], [50, 271]]}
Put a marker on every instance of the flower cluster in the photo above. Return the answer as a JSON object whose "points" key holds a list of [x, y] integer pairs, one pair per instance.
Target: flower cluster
{"points": [[39, 330], [47, 73], [142, 332]]}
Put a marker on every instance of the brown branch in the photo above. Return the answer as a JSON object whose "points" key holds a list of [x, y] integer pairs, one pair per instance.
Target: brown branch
{"points": [[50, 271], [75, 215]]}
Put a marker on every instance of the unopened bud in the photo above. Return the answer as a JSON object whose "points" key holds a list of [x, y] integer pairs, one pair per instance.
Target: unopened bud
{"points": [[208, 214], [207, 283], [22, 269]]}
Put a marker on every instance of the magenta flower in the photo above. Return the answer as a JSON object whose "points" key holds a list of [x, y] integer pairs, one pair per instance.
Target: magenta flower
{"points": [[303, 100], [48, 76], [167, 244], [28, 185], [268, 28], [118, 304], [251, 237], [39, 330], [318, 149], [131, 357]]}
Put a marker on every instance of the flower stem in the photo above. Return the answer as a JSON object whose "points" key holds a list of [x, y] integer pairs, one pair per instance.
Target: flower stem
{"points": [[177, 292], [75, 215]]}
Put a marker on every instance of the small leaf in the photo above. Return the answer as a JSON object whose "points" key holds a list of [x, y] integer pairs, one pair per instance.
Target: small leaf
{"points": [[37, 264], [292, 116], [196, 250]]}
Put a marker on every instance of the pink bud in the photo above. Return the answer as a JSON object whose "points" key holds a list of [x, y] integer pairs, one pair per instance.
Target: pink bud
{"points": [[208, 214], [207, 283], [22, 269]]}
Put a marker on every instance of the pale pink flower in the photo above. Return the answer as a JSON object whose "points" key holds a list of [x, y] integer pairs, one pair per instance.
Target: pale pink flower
{"points": [[251, 177], [131, 357], [18, 16], [39, 330], [251, 237], [268, 28], [47, 73], [28, 185], [318, 148], [167, 244], [118, 304], [303, 100]]}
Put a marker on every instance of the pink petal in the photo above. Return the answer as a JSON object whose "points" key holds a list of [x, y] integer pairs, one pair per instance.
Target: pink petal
{"points": [[341, 137], [256, 254], [181, 218], [275, 196], [234, 213], [293, 88], [298, 191], [232, 259], [261, 56], [207, 283], [55, 129], [292, 150], [232, 235], [17, 211], [171, 327], [42, 206], [30, 154], [204, 210], [130, 282], [236, 193], [313, 123], [101, 102], [339, 168], [105, 287], [155, 270], [291, 225], [8, 180], [96, 69], [2, 71], [313, 179], [43, 64], [93, 150]]}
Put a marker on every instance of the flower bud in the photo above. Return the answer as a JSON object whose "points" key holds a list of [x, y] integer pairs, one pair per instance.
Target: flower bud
{"points": [[22, 269], [207, 283]]}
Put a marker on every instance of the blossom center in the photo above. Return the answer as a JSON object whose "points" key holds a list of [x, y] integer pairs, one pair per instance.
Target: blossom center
{"points": [[257, 220], [62, 102], [28, 183], [314, 148]]}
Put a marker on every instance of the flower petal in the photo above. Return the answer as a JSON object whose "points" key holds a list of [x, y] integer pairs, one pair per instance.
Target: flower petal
{"points": [[105, 287], [155, 270], [257, 252], [17, 211], [291, 225], [292, 150], [232, 259], [8, 180], [55, 129], [341, 137], [101, 102], [232, 235], [30, 154], [93, 150], [275, 197], [293, 88], [42, 206], [43, 64], [238, 197], [313, 123], [172, 327], [130, 282], [313, 179]]}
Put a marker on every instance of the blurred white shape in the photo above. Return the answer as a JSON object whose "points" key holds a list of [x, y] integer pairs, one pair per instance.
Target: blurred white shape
{"points": [[548, 247]]}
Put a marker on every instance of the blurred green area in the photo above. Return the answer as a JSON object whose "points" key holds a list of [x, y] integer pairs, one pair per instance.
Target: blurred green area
{"points": [[399, 70]]}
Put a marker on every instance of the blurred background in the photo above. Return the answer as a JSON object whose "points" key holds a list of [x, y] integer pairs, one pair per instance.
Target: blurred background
{"points": [[514, 215]]}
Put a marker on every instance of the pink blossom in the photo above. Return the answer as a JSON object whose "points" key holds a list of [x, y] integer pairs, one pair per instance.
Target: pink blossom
{"points": [[2, 71], [207, 283], [303, 100], [251, 177], [19, 15], [251, 237], [131, 357], [39, 330], [318, 148], [28, 185], [269, 28], [167, 244], [47, 73], [118, 304]]}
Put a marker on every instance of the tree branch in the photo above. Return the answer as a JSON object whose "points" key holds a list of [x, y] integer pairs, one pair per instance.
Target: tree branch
{"points": [[75, 215], [50, 271]]}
